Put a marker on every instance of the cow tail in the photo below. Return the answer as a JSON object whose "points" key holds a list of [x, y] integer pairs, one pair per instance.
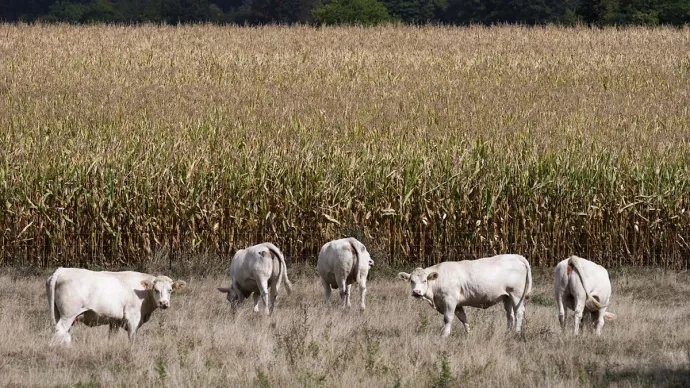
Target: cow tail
{"points": [[283, 267], [528, 280], [352, 277], [590, 302], [51, 294]]}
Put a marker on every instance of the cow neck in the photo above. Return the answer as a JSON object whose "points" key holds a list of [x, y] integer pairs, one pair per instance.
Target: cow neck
{"points": [[355, 265], [149, 303], [430, 291]]}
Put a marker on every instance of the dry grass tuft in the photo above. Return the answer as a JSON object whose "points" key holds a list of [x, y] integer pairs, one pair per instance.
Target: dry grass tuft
{"points": [[199, 342]]}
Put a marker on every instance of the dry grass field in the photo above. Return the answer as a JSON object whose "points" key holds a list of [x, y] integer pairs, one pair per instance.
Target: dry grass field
{"points": [[121, 141], [200, 343]]}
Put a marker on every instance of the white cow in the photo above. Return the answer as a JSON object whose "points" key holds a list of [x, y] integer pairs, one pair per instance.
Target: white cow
{"points": [[119, 299], [586, 289], [342, 263], [253, 270], [481, 283]]}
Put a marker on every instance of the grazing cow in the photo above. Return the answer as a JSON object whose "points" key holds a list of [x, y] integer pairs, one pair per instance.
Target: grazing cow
{"points": [[342, 263], [481, 283], [253, 270], [584, 287], [119, 299]]}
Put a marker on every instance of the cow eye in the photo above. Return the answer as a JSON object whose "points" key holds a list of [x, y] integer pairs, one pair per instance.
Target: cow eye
{"points": [[157, 291]]}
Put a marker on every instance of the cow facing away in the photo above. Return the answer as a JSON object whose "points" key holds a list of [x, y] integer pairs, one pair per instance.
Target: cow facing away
{"points": [[118, 299], [342, 263], [449, 286], [254, 270], [584, 287]]}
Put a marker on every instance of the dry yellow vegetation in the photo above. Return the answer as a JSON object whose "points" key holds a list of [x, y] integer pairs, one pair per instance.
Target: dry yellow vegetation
{"points": [[428, 143], [396, 342]]}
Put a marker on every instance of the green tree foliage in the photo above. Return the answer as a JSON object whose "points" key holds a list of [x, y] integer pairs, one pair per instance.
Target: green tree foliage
{"points": [[281, 11], [416, 11], [364, 12]]}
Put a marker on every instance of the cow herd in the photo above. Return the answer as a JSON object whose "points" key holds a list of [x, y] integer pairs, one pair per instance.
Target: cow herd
{"points": [[127, 299]]}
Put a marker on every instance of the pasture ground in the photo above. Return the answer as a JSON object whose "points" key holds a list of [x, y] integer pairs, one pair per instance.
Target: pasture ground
{"points": [[200, 342]]}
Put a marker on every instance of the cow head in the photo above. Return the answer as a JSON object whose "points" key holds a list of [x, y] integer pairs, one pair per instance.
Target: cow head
{"points": [[162, 287], [231, 296], [419, 281]]}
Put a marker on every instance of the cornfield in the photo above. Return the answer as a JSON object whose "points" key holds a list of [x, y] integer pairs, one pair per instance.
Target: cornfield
{"points": [[429, 143]]}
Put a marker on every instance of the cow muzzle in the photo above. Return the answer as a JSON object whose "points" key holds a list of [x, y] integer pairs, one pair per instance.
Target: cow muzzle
{"points": [[164, 305], [417, 294]]}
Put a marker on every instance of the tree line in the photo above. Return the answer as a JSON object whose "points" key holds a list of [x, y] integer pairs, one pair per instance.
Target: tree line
{"points": [[366, 12]]}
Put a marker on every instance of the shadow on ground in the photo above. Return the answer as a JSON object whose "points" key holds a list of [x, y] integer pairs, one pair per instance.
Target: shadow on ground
{"points": [[657, 377]]}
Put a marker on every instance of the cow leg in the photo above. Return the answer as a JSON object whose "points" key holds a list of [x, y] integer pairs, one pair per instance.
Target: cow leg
{"points": [[448, 315], [275, 287], [133, 318], [343, 288], [519, 316], [460, 313], [362, 292], [598, 319], [562, 311], [256, 302], [510, 313], [579, 311], [263, 288], [62, 328], [349, 292], [326, 292]]}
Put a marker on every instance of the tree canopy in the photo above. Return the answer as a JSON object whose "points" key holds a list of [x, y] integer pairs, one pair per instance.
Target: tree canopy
{"points": [[365, 12]]}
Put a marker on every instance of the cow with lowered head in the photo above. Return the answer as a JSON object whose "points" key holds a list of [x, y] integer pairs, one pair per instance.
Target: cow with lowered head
{"points": [[584, 287], [342, 263], [256, 270]]}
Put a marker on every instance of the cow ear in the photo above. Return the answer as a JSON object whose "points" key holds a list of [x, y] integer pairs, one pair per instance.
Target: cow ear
{"points": [[147, 284], [371, 262], [432, 276], [404, 276], [178, 285]]}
